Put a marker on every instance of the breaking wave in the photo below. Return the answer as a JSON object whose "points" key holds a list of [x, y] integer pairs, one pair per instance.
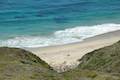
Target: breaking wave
{"points": [[66, 36]]}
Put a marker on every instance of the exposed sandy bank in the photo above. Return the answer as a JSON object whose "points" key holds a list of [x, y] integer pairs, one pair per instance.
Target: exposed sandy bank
{"points": [[67, 55]]}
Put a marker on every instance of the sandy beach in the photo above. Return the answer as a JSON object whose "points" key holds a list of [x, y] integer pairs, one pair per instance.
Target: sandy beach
{"points": [[62, 56]]}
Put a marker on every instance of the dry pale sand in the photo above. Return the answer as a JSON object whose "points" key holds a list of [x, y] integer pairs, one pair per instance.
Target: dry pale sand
{"points": [[67, 55]]}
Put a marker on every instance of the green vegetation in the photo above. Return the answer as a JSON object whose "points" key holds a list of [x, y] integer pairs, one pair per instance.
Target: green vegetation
{"points": [[101, 64], [105, 59], [18, 64]]}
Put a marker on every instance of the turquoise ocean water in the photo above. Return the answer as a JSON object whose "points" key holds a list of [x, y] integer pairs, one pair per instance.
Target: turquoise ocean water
{"points": [[36, 23]]}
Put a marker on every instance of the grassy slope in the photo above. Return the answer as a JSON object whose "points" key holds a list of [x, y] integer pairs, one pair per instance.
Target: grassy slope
{"points": [[105, 59], [18, 64], [101, 64]]}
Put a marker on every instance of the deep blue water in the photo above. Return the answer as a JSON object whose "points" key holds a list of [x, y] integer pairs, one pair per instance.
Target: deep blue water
{"points": [[34, 23]]}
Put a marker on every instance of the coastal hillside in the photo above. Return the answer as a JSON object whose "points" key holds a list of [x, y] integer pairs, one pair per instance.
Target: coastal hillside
{"points": [[101, 64], [18, 64], [106, 59]]}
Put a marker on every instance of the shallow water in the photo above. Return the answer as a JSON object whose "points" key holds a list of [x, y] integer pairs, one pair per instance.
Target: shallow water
{"points": [[35, 23]]}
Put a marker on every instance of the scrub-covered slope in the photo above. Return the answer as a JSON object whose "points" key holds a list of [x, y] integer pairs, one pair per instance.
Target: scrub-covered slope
{"points": [[18, 64], [105, 59]]}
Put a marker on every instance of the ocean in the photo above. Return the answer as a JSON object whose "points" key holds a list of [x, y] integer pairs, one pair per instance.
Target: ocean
{"points": [[39, 23]]}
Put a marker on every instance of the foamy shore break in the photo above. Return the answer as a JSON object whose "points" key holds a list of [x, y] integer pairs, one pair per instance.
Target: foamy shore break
{"points": [[64, 57]]}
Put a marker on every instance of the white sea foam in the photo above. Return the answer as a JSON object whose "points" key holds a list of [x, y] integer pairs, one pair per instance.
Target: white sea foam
{"points": [[61, 37]]}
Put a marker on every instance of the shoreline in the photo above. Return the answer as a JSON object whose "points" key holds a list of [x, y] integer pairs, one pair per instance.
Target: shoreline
{"points": [[61, 56]]}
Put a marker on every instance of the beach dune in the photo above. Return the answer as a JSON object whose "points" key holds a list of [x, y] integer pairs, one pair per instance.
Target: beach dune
{"points": [[62, 56]]}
